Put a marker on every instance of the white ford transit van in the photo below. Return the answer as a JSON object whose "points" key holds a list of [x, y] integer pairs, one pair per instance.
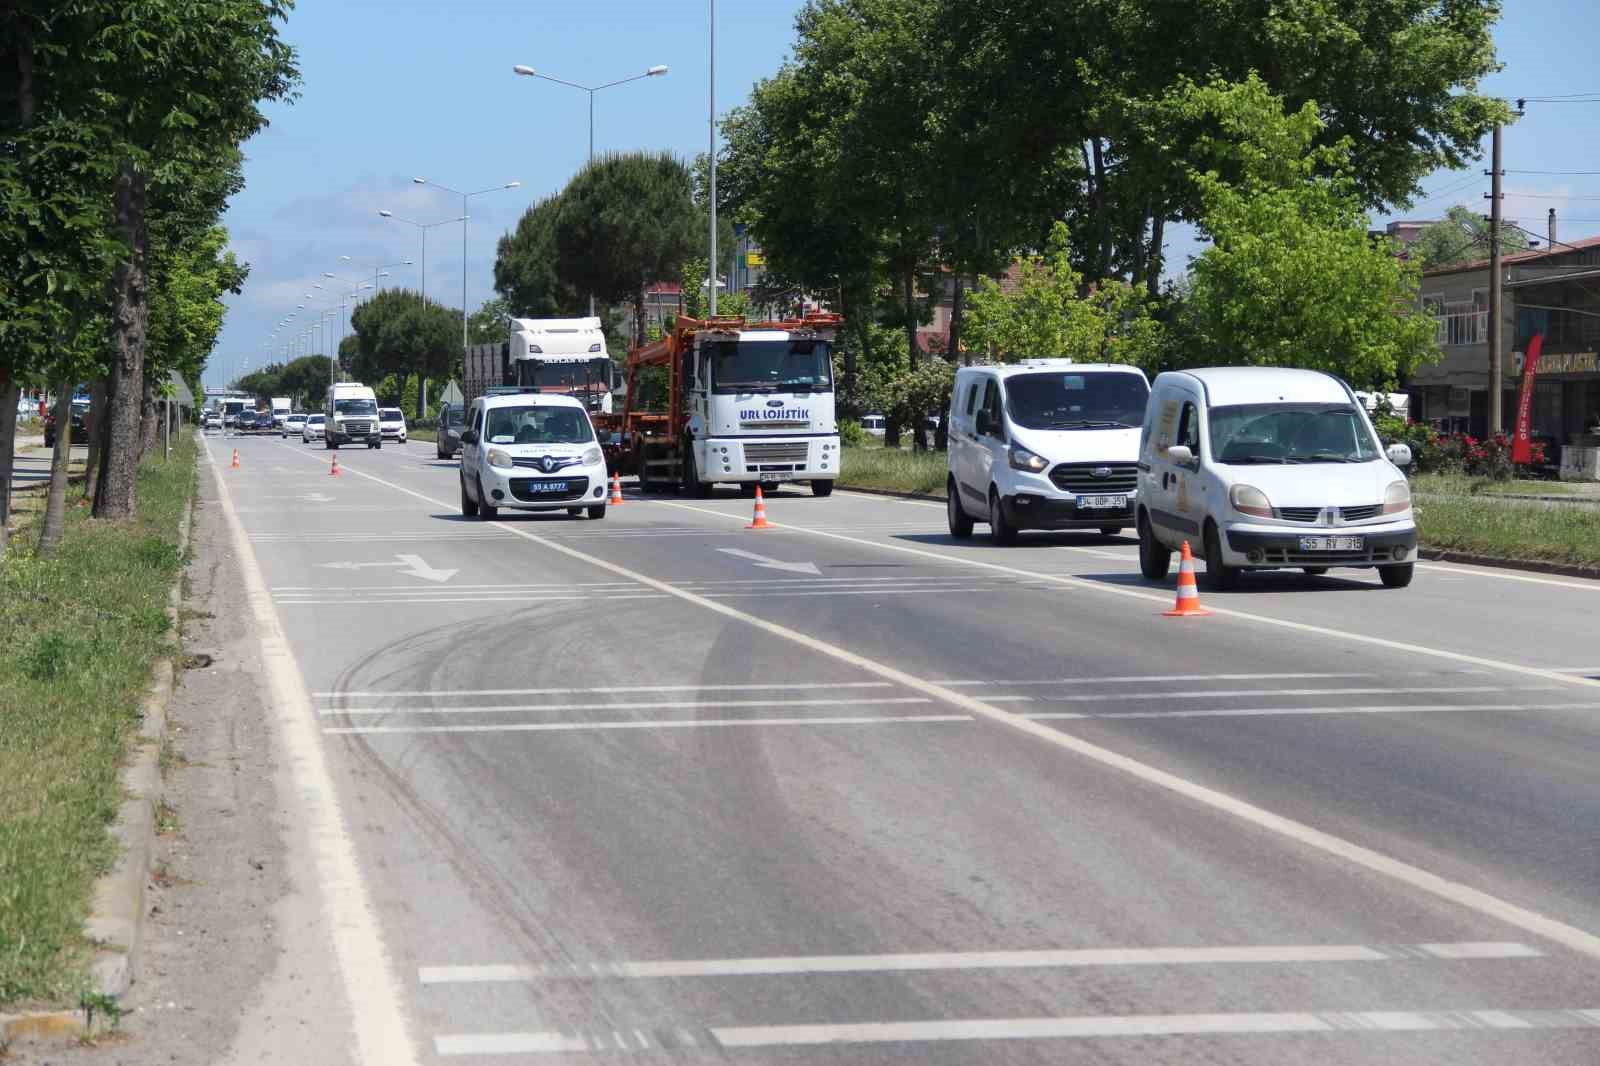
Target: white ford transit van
{"points": [[1044, 444], [1266, 467]]}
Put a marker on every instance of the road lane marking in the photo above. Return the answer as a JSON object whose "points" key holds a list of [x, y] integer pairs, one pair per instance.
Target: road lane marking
{"points": [[1152, 679], [1068, 958], [293, 601], [376, 1018], [1232, 693], [1081, 1027], [1269, 712], [432, 692], [702, 723], [1504, 575], [1578, 940], [687, 705]]}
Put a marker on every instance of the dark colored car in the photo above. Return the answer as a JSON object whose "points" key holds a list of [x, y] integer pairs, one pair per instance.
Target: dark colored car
{"points": [[80, 424], [449, 432], [250, 421]]}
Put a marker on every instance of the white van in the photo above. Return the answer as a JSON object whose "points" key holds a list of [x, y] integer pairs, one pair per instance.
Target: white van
{"points": [[351, 416], [1262, 468], [1044, 444], [532, 451]]}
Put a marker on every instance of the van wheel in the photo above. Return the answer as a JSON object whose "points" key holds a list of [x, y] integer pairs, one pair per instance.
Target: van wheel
{"points": [[1396, 577], [1219, 576], [1315, 571], [960, 521], [575, 512], [1000, 531], [486, 511], [822, 487], [1110, 531], [469, 507], [596, 513], [1155, 558]]}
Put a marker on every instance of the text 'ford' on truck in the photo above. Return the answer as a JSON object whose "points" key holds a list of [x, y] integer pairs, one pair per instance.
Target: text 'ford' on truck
{"points": [[744, 403]]}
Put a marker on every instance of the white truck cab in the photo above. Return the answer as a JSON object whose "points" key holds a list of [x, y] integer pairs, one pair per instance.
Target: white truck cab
{"points": [[530, 451], [351, 413], [1262, 468], [1044, 444]]}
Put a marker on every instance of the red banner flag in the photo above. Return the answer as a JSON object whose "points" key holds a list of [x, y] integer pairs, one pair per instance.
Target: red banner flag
{"points": [[1522, 443]]}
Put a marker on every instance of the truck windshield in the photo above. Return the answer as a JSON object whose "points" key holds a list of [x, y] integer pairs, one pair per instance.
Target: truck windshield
{"points": [[355, 407], [1058, 400], [1243, 434], [538, 425], [579, 374], [771, 366]]}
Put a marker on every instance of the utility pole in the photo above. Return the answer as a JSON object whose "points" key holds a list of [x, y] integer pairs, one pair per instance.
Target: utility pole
{"points": [[711, 281], [1496, 331]]}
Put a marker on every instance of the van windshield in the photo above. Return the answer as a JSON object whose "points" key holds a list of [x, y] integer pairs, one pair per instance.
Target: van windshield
{"points": [[355, 407], [538, 425], [1244, 434], [1067, 400]]}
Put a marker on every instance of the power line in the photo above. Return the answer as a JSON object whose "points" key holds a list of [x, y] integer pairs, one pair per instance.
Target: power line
{"points": [[1557, 96], [1560, 173]]}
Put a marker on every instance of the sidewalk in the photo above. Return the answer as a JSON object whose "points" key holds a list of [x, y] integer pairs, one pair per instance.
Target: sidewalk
{"points": [[30, 464]]}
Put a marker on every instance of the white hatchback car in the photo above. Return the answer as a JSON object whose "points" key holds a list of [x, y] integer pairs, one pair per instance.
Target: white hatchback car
{"points": [[293, 426], [1265, 467], [532, 452], [314, 425], [392, 424]]}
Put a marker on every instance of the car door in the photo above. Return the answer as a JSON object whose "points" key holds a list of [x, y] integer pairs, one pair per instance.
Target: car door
{"points": [[1177, 506], [471, 446], [961, 440], [989, 443]]}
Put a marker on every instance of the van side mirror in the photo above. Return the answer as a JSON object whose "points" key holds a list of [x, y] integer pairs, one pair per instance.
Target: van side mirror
{"points": [[468, 437], [1180, 454], [1400, 454]]}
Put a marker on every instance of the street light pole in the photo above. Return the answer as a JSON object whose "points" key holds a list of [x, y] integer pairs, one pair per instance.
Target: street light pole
{"points": [[529, 72], [711, 121], [465, 196], [424, 227]]}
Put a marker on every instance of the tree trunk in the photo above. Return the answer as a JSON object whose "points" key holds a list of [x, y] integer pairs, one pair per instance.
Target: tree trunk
{"points": [[118, 492], [919, 435], [98, 398], [9, 392], [55, 508], [1102, 253], [422, 396], [891, 431], [1156, 258], [1136, 270], [958, 304], [149, 423]]}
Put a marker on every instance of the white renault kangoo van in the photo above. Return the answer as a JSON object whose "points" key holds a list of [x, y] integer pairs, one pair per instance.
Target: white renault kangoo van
{"points": [[1044, 444], [1261, 468]]}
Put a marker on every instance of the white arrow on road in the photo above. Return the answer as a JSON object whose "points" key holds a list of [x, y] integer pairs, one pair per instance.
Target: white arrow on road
{"points": [[414, 566], [774, 564]]}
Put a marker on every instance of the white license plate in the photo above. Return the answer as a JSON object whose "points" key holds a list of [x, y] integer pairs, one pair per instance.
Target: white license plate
{"points": [[548, 488], [1102, 503], [1332, 544]]}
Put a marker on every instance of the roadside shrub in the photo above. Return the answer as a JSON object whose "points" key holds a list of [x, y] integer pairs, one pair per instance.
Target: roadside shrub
{"points": [[851, 435]]}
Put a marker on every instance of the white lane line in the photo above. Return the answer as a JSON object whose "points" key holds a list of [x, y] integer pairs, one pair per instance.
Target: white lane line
{"points": [[786, 594], [1082, 1027], [371, 601], [621, 689], [1269, 712], [702, 723], [685, 705], [1506, 575], [975, 960], [1152, 679], [377, 1021], [1110, 697], [1477, 900], [1120, 557]]}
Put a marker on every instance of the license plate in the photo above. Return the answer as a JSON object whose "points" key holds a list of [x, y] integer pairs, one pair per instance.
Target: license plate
{"points": [[1332, 544], [549, 488], [1102, 503]]}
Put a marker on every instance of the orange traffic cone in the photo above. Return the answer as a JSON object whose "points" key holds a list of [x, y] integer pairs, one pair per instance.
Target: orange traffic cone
{"points": [[760, 520], [236, 458], [616, 491], [1188, 591], [333, 471]]}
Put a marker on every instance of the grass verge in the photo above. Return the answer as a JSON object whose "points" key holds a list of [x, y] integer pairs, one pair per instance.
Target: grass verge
{"points": [[428, 435], [893, 469], [1462, 485], [78, 636]]}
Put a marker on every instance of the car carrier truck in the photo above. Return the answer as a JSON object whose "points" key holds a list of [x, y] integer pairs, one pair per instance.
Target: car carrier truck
{"points": [[746, 403], [563, 356]]}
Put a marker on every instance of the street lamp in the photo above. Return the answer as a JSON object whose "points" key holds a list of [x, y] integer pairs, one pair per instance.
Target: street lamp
{"points": [[652, 72], [424, 227], [464, 197], [711, 121], [378, 271]]}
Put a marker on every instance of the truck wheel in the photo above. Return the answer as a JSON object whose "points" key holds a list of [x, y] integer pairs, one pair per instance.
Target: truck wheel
{"points": [[822, 487], [693, 487], [596, 513], [486, 510], [469, 508]]}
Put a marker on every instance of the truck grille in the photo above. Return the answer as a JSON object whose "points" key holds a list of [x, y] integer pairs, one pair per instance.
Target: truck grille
{"points": [[1079, 478], [787, 452]]}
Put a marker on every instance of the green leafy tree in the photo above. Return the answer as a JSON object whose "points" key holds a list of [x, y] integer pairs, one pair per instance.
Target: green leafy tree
{"points": [[397, 333], [1461, 237], [491, 322], [527, 271]]}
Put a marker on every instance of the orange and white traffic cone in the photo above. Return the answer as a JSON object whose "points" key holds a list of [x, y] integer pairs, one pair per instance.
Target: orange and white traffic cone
{"points": [[333, 471], [616, 491], [236, 458], [1188, 604], [760, 520]]}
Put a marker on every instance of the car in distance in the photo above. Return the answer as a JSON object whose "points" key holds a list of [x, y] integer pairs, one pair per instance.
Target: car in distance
{"points": [[448, 439], [874, 424], [392, 423], [532, 452], [211, 420], [312, 430], [1266, 468], [293, 425], [1044, 444]]}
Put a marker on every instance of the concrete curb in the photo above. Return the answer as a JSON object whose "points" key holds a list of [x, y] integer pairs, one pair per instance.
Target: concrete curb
{"points": [[1442, 555], [116, 918]]}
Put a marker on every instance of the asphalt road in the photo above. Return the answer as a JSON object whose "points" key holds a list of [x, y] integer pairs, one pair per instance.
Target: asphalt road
{"points": [[659, 787]]}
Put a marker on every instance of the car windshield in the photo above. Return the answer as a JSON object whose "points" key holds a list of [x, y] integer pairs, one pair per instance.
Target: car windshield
{"points": [[1067, 400], [770, 366], [317, 420], [355, 407], [389, 414], [538, 424], [1246, 434]]}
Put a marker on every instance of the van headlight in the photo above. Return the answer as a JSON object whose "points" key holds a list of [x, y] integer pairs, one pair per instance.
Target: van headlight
{"points": [[1397, 498], [592, 456], [1023, 459], [499, 457], [1247, 499]]}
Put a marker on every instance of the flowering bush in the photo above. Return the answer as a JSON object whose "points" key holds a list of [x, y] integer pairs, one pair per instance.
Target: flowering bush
{"points": [[1455, 453]]}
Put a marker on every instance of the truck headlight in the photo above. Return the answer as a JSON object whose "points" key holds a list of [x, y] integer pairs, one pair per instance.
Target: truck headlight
{"points": [[499, 457], [592, 456], [1023, 459], [1397, 498], [1247, 499]]}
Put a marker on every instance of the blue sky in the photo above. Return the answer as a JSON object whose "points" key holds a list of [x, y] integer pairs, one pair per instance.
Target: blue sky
{"points": [[395, 89]]}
